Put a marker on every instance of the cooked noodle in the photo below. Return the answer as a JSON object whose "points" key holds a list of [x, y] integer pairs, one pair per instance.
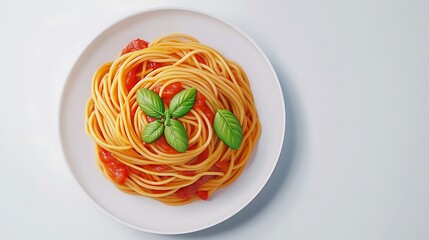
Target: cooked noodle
{"points": [[115, 122]]}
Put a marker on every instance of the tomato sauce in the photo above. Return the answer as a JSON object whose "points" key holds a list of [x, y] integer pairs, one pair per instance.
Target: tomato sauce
{"points": [[132, 79], [154, 65], [187, 173], [157, 167], [150, 119], [132, 46], [116, 170], [192, 190], [200, 58], [169, 91], [142, 174], [200, 158], [203, 195], [135, 45], [200, 103], [189, 191], [164, 146]]}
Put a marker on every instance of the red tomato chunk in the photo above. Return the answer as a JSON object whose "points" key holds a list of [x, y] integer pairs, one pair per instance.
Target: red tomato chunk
{"points": [[135, 45], [116, 170]]}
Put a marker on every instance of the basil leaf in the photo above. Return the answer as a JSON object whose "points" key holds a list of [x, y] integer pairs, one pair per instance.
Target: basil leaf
{"points": [[176, 136], [228, 128], [150, 103], [152, 131], [182, 102]]}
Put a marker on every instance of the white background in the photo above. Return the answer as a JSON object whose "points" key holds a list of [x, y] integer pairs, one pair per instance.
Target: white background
{"points": [[355, 77]]}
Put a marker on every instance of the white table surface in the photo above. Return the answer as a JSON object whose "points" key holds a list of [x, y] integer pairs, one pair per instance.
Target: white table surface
{"points": [[355, 77]]}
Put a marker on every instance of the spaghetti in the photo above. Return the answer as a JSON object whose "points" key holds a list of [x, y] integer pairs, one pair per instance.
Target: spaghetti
{"points": [[167, 66]]}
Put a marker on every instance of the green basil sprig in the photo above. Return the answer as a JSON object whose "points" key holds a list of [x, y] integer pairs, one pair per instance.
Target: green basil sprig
{"points": [[174, 131], [228, 128], [226, 125]]}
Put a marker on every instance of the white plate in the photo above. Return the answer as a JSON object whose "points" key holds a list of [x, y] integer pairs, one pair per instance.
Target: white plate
{"points": [[144, 213]]}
